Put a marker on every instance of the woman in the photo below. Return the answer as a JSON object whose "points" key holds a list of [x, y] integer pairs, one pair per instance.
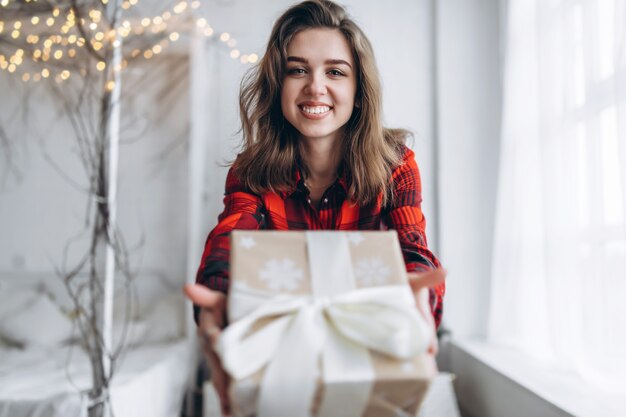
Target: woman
{"points": [[316, 156]]}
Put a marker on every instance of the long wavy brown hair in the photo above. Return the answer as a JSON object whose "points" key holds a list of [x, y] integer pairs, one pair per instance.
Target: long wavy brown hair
{"points": [[271, 148]]}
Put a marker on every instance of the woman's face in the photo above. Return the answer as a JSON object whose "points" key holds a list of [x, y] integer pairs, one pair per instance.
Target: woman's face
{"points": [[319, 87]]}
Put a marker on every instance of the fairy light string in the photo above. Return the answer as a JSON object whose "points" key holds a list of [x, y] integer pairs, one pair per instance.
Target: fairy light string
{"points": [[41, 40]]}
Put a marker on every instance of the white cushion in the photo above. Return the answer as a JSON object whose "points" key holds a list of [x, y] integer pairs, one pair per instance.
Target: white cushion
{"points": [[14, 299], [33, 319]]}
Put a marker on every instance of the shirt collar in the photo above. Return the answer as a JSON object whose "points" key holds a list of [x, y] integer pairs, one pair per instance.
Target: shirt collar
{"points": [[298, 178]]}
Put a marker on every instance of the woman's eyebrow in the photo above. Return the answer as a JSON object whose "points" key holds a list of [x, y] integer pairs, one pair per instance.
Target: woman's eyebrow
{"points": [[327, 62]]}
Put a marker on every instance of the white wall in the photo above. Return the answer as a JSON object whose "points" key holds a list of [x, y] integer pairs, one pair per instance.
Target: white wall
{"points": [[469, 125]]}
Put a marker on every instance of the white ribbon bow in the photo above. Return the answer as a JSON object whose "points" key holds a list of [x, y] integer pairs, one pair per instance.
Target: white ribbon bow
{"points": [[290, 333]]}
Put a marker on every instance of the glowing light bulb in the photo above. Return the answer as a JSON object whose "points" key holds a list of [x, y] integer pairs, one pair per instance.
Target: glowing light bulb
{"points": [[174, 36], [71, 53], [58, 54], [145, 22], [147, 54], [100, 66], [25, 77], [157, 20], [65, 74], [253, 58], [50, 21], [244, 59], [201, 22], [45, 73], [110, 85], [34, 20], [180, 7], [208, 31], [156, 49], [17, 25], [225, 36], [234, 54]]}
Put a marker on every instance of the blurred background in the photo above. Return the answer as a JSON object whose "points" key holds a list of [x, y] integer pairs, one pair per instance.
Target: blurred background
{"points": [[518, 109]]}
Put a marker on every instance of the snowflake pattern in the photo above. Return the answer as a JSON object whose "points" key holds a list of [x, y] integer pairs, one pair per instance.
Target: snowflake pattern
{"points": [[355, 238], [371, 271], [281, 274], [247, 242]]}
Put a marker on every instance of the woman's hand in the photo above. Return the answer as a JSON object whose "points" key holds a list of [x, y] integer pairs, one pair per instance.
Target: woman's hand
{"points": [[210, 323], [420, 282]]}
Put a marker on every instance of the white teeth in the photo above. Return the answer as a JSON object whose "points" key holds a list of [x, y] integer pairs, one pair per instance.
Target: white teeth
{"points": [[316, 110]]}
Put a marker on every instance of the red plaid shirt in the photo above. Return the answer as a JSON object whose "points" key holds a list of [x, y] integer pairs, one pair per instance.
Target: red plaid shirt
{"points": [[292, 211]]}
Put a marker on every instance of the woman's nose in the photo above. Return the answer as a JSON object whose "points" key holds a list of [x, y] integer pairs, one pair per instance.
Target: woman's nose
{"points": [[316, 85]]}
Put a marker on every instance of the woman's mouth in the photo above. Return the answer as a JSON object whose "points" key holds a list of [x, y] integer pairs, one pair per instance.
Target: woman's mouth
{"points": [[314, 112]]}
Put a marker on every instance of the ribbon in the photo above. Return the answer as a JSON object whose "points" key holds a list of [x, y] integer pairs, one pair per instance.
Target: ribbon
{"points": [[288, 334]]}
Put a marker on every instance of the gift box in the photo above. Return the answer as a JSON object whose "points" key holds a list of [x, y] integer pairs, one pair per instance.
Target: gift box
{"points": [[323, 324]]}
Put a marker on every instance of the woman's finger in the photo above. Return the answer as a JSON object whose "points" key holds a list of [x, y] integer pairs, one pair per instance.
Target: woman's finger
{"points": [[426, 279], [202, 296]]}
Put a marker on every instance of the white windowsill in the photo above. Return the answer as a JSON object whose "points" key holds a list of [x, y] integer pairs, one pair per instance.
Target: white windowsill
{"points": [[563, 390]]}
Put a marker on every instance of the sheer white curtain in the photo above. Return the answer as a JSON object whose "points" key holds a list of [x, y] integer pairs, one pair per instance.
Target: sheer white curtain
{"points": [[559, 269]]}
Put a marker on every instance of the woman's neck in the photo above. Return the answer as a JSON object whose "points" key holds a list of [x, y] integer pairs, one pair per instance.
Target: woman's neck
{"points": [[322, 158]]}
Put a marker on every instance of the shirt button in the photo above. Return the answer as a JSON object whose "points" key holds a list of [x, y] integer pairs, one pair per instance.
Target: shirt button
{"points": [[326, 200], [309, 200]]}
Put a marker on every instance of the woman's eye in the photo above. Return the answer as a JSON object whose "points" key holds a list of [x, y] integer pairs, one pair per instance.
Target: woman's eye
{"points": [[296, 71], [335, 72]]}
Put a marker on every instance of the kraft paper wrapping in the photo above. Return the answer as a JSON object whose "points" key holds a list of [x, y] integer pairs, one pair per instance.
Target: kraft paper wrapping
{"points": [[278, 262]]}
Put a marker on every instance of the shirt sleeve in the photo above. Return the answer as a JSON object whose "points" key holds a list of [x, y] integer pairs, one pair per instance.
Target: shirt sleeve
{"points": [[242, 210], [406, 217]]}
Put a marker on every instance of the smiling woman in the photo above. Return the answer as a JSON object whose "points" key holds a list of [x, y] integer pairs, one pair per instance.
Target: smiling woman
{"points": [[316, 156]]}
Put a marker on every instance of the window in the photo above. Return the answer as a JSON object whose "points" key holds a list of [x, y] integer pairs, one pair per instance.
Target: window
{"points": [[559, 269]]}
